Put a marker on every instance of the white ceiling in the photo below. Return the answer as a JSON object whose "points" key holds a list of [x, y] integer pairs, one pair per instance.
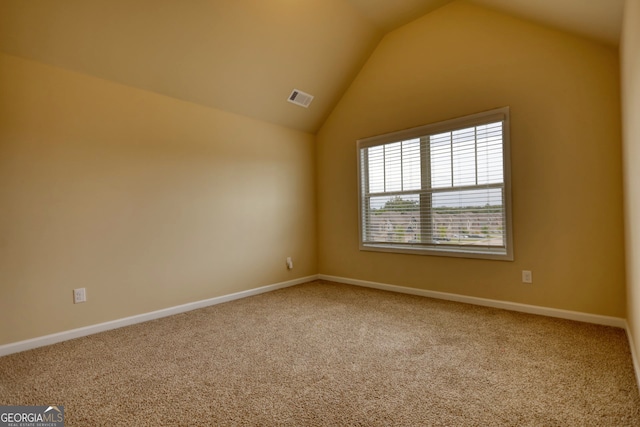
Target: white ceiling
{"points": [[245, 56]]}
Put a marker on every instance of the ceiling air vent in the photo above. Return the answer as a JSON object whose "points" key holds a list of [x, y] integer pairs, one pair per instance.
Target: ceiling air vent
{"points": [[300, 98]]}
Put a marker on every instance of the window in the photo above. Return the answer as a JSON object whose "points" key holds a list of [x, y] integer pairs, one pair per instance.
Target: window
{"points": [[439, 189]]}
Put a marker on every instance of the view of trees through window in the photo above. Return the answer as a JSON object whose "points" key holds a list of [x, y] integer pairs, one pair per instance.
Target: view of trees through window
{"points": [[399, 221]]}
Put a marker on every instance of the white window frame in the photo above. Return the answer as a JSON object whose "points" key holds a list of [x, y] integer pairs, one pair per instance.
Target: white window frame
{"points": [[432, 248]]}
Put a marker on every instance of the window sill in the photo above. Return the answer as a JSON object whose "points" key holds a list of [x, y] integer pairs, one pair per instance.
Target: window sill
{"points": [[458, 252]]}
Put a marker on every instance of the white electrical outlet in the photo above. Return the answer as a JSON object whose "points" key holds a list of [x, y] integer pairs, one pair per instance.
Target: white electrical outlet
{"points": [[79, 295], [289, 263], [527, 277]]}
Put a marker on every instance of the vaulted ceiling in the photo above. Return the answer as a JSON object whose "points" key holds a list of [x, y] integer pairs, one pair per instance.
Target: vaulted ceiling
{"points": [[245, 56], [597, 19]]}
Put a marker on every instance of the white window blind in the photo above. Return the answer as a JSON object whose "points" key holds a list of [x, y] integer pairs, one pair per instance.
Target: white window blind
{"points": [[438, 189]]}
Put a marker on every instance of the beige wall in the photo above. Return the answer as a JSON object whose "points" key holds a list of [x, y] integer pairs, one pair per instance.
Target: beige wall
{"points": [[146, 201], [630, 59], [566, 156]]}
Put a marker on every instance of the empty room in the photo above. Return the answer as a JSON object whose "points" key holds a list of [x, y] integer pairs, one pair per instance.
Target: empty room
{"points": [[320, 212]]}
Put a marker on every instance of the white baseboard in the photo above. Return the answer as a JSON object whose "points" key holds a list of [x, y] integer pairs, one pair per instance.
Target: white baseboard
{"points": [[506, 305], [634, 355], [101, 327]]}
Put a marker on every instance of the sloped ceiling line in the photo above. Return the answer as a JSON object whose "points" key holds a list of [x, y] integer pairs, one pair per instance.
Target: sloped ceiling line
{"points": [[245, 56]]}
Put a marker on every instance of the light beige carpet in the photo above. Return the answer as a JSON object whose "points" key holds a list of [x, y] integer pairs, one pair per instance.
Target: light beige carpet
{"points": [[331, 354]]}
